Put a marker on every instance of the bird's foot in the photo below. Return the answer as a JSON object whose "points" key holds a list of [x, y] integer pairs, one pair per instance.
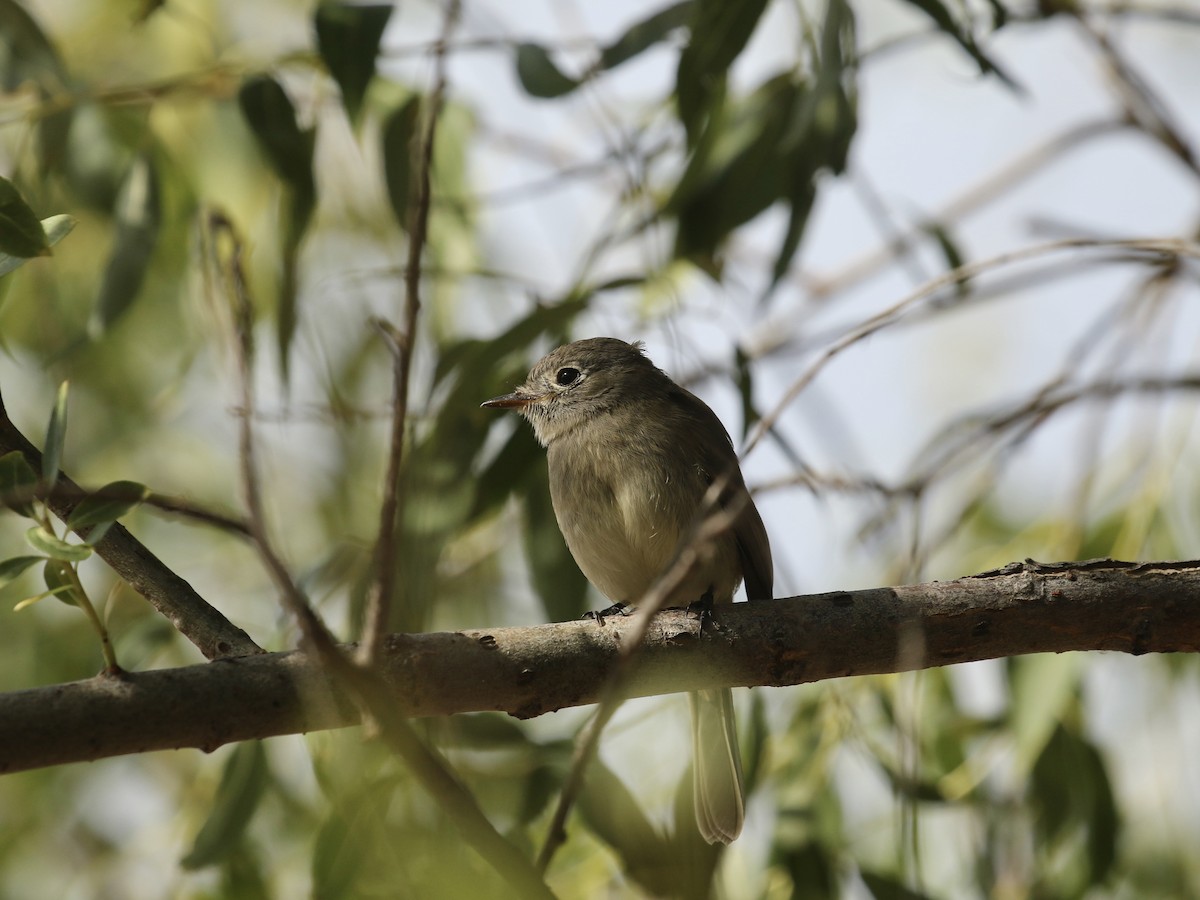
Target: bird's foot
{"points": [[617, 609], [702, 608]]}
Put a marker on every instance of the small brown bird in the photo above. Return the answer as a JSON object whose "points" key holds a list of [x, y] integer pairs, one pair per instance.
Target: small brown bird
{"points": [[631, 456]]}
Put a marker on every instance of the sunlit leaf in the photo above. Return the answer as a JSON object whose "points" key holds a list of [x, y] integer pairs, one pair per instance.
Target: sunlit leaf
{"points": [[107, 504], [138, 218], [17, 483], [56, 436], [21, 233], [538, 74], [348, 38], [55, 227], [399, 154], [243, 780], [55, 547]]}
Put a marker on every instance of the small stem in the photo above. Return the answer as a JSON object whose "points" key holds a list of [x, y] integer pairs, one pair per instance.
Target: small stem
{"points": [[84, 603]]}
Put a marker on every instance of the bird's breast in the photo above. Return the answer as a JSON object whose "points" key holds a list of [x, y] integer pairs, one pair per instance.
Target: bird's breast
{"points": [[623, 518]]}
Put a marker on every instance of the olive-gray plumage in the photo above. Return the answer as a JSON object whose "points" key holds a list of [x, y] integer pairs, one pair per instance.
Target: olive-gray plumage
{"points": [[631, 456]]}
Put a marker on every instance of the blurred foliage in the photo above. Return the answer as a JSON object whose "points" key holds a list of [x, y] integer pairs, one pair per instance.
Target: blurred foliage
{"points": [[118, 143]]}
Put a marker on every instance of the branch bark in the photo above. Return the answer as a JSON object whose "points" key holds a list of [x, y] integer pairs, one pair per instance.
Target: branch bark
{"points": [[202, 624], [1023, 608]]}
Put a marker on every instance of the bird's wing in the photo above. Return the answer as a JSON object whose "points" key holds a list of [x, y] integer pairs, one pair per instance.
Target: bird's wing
{"points": [[754, 551], [754, 547]]}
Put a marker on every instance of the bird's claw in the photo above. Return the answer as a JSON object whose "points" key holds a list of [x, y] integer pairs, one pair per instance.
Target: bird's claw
{"points": [[599, 615]]}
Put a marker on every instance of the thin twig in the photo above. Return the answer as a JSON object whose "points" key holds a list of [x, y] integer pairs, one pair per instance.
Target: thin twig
{"points": [[197, 620], [401, 342], [978, 195], [366, 685], [1171, 247], [715, 523], [1144, 107]]}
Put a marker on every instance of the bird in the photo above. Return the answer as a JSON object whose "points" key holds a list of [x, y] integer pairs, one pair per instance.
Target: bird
{"points": [[631, 457]]}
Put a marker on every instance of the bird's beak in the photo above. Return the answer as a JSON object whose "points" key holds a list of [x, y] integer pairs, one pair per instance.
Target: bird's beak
{"points": [[515, 400]]}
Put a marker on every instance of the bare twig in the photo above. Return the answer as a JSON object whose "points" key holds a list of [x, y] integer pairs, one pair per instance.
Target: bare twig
{"points": [[364, 685], [1168, 247], [401, 342], [715, 522], [1143, 106], [978, 195]]}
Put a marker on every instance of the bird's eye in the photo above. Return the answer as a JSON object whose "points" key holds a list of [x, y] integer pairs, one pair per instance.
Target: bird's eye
{"points": [[567, 376]]}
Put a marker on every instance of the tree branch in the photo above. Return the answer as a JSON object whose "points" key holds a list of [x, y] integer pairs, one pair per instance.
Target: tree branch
{"points": [[214, 635], [1023, 608]]}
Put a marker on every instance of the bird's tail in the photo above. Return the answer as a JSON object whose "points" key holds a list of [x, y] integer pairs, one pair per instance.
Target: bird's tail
{"points": [[717, 766]]}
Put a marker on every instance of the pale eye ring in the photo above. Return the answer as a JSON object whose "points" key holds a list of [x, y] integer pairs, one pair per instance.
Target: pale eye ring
{"points": [[567, 376]]}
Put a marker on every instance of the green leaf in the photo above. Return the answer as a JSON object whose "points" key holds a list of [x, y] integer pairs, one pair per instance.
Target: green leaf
{"points": [[11, 569], [28, 56], [348, 40], [56, 435], [812, 871], [612, 814], [886, 887], [288, 149], [514, 466], [242, 783], [55, 547], [272, 119], [343, 845], [138, 219], [1040, 688], [399, 152], [720, 30], [21, 233], [645, 34], [55, 227], [822, 128], [58, 227], [744, 378], [946, 23], [60, 579], [107, 504], [555, 574], [745, 165], [17, 480], [1076, 814], [538, 74]]}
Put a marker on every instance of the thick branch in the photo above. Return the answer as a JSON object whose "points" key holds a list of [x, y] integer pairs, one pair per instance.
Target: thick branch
{"points": [[1024, 608]]}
